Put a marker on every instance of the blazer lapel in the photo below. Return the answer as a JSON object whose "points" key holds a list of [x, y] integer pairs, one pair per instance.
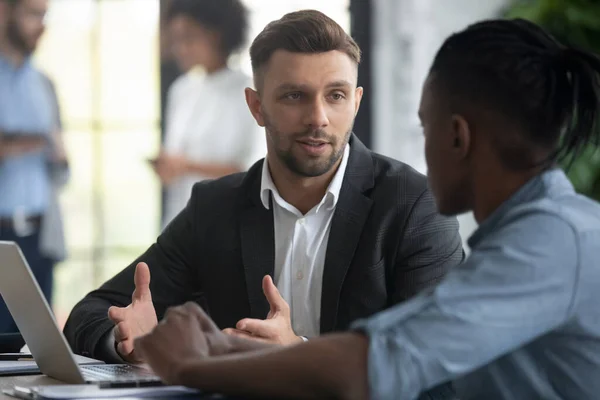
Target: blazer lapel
{"points": [[350, 215], [257, 244]]}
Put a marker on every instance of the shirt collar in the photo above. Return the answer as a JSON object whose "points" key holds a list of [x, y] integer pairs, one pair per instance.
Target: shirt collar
{"points": [[331, 196], [6, 64], [551, 183]]}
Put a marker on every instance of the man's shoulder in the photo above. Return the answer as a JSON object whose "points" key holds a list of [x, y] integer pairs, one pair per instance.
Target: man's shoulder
{"points": [[40, 76], [184, 85], [239, 79], [390, 173], [225, 187], [227, 190], [47, 81], [570, 215]]}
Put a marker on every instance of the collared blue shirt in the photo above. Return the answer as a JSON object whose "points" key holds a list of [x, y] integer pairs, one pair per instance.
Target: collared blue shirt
{"points": [[26, 107], [520, 319]]}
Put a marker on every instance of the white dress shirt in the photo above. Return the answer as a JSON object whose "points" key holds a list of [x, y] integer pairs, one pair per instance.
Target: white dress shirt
{"points": [[300, 247], [208, 121]]}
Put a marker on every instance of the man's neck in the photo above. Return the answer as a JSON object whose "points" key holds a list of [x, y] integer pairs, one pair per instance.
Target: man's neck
{"points": [[301, 192], [496, 188], [215, 67], [13, 55]]}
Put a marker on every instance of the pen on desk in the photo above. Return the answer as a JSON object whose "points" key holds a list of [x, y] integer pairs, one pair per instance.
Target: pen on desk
{"points": [[22, 392]]}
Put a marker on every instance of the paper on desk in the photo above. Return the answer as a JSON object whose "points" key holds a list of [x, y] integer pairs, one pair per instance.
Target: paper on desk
{"points": [[63, 392]]}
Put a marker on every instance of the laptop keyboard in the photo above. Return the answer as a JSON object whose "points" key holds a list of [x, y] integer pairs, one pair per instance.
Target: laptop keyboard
{"points": [[118, 373]]}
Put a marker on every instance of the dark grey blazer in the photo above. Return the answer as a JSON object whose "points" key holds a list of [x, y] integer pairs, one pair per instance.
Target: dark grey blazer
{"points": [[387, 242]]}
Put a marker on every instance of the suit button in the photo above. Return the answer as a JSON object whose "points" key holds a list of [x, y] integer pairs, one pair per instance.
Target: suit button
{"points": [[299, 275]]}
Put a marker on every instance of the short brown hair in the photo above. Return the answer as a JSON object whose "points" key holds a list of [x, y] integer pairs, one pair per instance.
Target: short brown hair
{"points": [[305, 31]]}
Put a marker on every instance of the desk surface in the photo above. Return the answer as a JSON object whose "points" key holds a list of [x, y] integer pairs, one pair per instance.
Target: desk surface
{"points": [[7, 382]]}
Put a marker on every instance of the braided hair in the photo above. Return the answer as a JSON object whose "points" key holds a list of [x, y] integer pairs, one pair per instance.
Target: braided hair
{"points": [[547, 91]]}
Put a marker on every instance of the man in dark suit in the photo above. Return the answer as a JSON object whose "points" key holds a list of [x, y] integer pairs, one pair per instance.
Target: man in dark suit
{"points": [[342, 232]]}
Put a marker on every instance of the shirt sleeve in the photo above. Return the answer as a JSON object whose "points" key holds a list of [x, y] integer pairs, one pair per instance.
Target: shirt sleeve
{"points": [[59, 170], [517, 284], [175, 95], [56, 113]]}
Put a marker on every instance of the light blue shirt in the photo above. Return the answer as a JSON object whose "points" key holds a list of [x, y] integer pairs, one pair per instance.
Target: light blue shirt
{"points": [[520, 319], [26, 107]]}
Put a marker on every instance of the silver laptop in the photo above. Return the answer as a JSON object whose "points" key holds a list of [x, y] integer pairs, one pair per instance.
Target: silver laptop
{"points": [[47, 344]]}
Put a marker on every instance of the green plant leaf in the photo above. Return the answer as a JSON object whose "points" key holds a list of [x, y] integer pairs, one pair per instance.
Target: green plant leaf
{"points": [[588, 17]]}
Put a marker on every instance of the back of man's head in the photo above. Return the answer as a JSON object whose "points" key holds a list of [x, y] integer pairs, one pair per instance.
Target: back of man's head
{"points": [[521, 76], [306, 31]]}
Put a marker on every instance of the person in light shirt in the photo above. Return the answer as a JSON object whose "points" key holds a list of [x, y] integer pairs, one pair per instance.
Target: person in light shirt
{"points": [[209, 131], [519, 319]]}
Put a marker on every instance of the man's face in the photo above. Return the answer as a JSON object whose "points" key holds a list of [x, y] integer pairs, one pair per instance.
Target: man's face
{"points": [[307, 104], [24, 24], [446, 147]]}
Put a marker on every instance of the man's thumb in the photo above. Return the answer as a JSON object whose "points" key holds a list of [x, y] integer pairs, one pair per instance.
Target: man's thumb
{"points": [[273, 296], [142, 283], [116, 314]]}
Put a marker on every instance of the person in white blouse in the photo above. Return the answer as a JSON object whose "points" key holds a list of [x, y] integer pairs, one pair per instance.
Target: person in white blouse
{"points": [[209, 130]]}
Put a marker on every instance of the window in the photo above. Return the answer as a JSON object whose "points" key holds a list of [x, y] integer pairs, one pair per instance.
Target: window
{"points": [[102, 56]]}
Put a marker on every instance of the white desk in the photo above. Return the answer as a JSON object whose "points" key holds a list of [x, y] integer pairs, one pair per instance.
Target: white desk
{"points": [[7, 382]]}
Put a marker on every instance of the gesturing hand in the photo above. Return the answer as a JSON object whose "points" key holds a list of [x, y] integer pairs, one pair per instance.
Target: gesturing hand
{"points": [[170, 167], [16, 146], [136, 319], [277, 328]]}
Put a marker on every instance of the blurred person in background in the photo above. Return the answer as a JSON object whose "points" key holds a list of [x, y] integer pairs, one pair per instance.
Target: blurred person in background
{"points": [[209, 130], [32, 159]]}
